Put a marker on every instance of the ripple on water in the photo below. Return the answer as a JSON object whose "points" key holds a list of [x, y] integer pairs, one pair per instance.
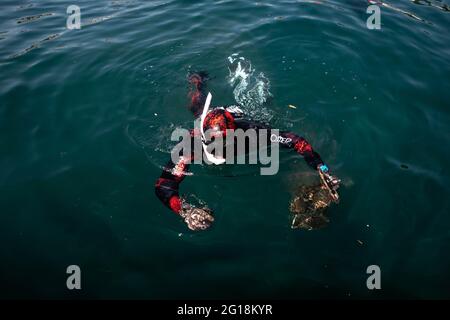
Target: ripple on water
{"points": [[35, 45], [116, 104], [28, 19], [97, 20]]}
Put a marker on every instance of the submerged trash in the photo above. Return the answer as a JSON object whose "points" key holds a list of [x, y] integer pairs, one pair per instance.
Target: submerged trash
{"points": [[309, 207]]}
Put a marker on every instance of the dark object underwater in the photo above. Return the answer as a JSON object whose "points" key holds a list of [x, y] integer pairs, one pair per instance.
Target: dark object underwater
{"points": [[309, 207]]}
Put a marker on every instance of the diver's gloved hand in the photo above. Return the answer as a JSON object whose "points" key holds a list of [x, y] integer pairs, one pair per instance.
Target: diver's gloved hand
{"points": [[197, 218], [331, 182]]}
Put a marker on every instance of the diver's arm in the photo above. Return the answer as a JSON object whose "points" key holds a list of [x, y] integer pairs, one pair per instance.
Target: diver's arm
{"points": [[285, 139], [302, 147], [198, 92], [166, 189], [312, 158]]}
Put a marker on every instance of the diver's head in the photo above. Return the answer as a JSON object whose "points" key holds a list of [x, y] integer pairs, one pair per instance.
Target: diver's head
{"points": [[217, 122]]}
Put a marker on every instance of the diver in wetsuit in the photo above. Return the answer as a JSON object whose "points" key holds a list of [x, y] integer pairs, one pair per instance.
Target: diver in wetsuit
{"points": [[218, 120]]}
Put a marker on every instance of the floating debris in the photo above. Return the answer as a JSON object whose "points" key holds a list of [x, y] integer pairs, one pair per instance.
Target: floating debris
{"points": [[404, 166], [360, 242], [292, 106]]}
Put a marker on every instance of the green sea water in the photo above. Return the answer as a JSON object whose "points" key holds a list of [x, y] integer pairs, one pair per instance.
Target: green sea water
{"points": [[85, 123]]}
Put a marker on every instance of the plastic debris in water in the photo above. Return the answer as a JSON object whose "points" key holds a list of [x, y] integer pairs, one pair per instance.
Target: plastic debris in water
{"points": [[292, 106]]}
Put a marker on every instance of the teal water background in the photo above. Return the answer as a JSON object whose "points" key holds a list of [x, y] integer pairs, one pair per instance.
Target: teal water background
{"points": [[86, 117]]}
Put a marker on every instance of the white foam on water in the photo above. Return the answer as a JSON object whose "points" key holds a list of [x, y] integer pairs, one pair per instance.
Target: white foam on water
{"points": [[250, 89]]}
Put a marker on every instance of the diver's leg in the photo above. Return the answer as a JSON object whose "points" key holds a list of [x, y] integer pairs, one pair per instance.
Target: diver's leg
{"points": [[198, 92]]}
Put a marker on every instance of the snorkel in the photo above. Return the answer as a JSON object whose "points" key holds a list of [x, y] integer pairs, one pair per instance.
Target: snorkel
{"points": [[209, 156]]}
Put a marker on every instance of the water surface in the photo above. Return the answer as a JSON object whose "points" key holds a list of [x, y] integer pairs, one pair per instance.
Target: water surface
{"points": [[85, 123]]}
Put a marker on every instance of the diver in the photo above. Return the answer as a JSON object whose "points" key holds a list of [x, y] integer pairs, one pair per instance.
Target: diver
{"points": [[218, 120]]}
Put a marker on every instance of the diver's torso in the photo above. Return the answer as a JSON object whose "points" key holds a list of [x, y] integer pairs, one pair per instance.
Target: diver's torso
{"points": [[246, 141]]}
